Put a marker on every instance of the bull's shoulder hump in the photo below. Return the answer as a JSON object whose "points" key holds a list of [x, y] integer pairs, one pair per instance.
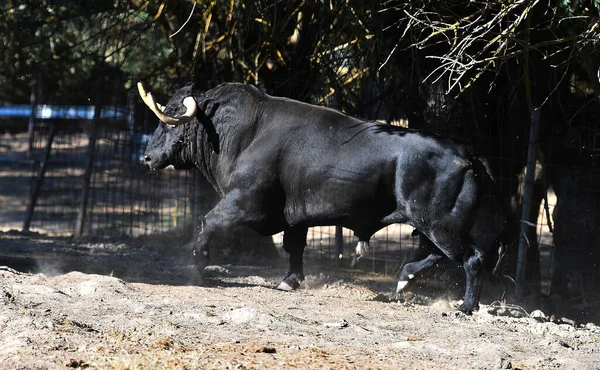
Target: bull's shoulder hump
{"points": [[307, 111], [234, 89]]}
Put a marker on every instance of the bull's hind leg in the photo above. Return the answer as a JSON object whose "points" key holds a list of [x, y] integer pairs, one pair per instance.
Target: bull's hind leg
{"points": [[472, 260], [410, 270], [453, 246], [361, 249], [473, 265], [294, 241]]}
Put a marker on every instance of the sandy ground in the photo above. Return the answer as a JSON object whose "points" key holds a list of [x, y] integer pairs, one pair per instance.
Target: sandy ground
{"points": [[131, 305]]}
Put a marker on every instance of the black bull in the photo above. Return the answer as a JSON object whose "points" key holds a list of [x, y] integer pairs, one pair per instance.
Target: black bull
{"points": [[283, 165]]}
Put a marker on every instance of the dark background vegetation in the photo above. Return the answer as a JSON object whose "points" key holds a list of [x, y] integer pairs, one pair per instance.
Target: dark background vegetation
{"points": [[473, 69]]}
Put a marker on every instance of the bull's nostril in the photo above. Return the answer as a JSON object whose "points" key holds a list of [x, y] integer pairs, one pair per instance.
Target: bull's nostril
{"points": [[147, 158]]}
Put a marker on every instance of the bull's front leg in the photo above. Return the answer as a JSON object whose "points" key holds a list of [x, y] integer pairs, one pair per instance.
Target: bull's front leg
{"points": [[473, 266], [200, 250], [294, 241], [225, 215]]}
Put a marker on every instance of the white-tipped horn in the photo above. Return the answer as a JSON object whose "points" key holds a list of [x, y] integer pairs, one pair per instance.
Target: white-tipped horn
{"points": [[188, 102]]}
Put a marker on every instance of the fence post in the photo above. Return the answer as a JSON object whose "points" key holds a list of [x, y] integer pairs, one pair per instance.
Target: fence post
{"points": [[336, 103], [196, 196], [31, 124], [39, 179], [89, 158], [339, 244], [527, 196]]}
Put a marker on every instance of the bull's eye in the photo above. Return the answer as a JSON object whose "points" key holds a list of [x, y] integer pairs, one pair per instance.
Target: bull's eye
{"points": [[170, 126]]}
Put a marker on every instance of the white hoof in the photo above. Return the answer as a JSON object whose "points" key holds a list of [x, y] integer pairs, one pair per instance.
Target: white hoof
{"points": [[401, 286], [362, 248], [403, 283], [284, 286]]}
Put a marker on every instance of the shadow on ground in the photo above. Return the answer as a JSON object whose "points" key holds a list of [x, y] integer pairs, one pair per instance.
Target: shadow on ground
{"points": [[143, 261]]}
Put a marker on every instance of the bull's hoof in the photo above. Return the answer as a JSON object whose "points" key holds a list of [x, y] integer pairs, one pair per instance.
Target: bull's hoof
{"points": [[291, 282], [201, 259], [468, 309], [403, 283]]}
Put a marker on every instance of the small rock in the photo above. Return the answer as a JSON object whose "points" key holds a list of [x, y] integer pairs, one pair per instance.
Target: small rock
{"points": [[78, 364], [213, 270], [539, 316], [340, 324], [264, 349], [503, 363], [380, 297], [591, 326], [517, 313], [6, 294], [565, 344], [507, 311], [564, 320]]}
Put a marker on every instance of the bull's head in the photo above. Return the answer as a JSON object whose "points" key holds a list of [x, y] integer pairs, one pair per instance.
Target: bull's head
{"points": [[167, 143]]}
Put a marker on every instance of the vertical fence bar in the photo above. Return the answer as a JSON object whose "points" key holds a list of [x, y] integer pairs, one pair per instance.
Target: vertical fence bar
{"points": [[336, 103], [31, 124], [39, 179], [527, 197], [339, 244], [89, 159], [196, 197]]}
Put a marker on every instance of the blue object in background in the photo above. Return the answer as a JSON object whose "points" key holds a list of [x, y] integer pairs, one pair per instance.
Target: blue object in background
{"points": [[60, 112]]}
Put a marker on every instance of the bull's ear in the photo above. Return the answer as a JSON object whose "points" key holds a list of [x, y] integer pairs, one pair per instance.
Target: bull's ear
{"points": [[209, 106], [205, 116]]}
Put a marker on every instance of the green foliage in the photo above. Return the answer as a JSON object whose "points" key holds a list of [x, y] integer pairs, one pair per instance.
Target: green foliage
{"points": [[63, 44], [322, 51], [578, 6]]}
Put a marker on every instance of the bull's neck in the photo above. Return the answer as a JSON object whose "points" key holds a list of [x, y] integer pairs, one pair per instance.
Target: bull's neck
{"points": [[201, 153]]}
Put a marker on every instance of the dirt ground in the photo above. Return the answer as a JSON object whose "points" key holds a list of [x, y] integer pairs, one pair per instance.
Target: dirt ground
{"points": [[132, 305]]}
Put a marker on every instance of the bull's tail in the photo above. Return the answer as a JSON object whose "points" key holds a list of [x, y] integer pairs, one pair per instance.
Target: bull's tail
{"points": [[509, 237], [507, 243]]}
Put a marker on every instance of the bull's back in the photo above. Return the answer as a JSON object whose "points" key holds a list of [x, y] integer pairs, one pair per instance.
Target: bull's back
{"points": [[359, 173]]}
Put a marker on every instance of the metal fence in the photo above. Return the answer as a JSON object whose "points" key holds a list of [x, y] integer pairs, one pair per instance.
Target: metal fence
{"points": [[86, 177]]}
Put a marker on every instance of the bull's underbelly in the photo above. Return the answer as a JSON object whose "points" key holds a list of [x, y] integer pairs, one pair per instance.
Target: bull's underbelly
{"points": [[350, 209]]}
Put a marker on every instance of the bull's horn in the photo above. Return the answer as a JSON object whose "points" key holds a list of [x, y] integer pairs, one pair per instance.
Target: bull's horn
{"points": [[188, 102]]}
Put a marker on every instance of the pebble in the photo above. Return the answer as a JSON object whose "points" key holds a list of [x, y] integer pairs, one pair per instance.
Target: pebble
{"points": [[539, 316], [339, 324], [216, 270], [503, 363]]}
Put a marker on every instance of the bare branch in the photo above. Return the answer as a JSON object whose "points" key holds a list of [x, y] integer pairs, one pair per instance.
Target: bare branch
{"points": [[483, 36]]}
